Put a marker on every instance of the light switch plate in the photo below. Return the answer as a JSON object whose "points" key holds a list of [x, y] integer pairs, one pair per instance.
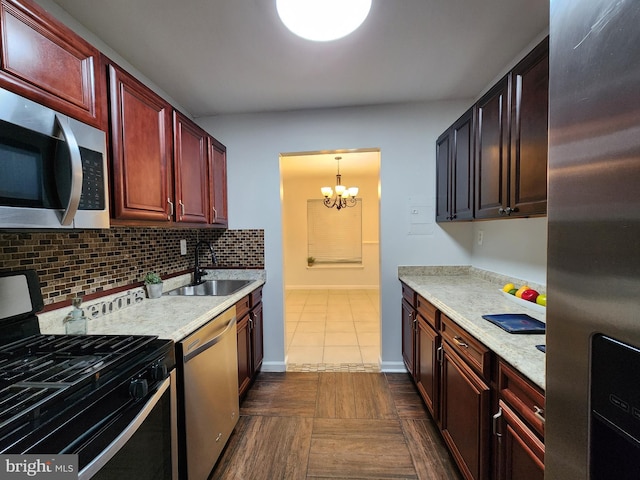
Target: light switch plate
{"points": [[183, 247]]}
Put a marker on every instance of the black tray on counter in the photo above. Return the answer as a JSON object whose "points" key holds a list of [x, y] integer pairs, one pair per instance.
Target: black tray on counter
{"points": [[516, 323]]}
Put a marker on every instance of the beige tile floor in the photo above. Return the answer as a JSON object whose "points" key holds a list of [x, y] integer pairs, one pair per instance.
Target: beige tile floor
{"points": [[332, 327]]}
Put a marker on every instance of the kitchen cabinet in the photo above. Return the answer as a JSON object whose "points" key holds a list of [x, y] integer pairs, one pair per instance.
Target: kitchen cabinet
{"points": [[190, 158], [511, 141], [518, 427], [408, 320], [466, 396], [420, 343], [492, 151], [454, 170], [427, 367], [249, 313], [141, 156], [218, 183], [469, 392], [46, 62], [529, 133], [166, 169]]}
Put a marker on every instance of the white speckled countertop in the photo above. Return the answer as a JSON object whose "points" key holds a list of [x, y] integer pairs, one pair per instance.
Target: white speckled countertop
{"points": [[168, 317], [465, 294]]}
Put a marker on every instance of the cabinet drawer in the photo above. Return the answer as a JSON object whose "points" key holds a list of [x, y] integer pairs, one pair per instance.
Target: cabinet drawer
{"points": [[524, 398], [478, 356], [255, 297], [428, 312], [409, 295], [242, 307]]}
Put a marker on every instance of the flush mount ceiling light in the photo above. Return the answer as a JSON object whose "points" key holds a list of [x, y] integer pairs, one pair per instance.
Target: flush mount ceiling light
{"points": [[323, 20], [344, 197]]}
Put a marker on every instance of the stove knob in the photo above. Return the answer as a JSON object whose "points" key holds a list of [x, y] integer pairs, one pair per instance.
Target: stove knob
{"points": [[138, 388], [158, 371]]}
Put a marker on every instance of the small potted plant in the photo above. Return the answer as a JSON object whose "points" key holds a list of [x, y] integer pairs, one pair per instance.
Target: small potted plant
{"points": [[153, 282], [311, 261]]}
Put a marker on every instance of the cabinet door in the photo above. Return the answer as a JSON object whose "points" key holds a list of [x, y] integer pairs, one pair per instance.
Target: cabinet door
{"points": [[443, 174], [427, 371], [191, 164], [408, 336], [244, 354], [465, 416], [218, 183], [257, 345], [462, 167], [45, 61], [492, 151], [141, 143], [520, 451], [529, 133]]}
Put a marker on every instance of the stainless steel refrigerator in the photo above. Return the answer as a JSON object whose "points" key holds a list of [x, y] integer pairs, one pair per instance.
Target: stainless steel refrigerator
{"points": [[593, 271]]}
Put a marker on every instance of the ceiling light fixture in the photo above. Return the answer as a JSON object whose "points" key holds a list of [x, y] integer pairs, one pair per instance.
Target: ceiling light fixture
{"points": [[323, 20], [343, 197]]}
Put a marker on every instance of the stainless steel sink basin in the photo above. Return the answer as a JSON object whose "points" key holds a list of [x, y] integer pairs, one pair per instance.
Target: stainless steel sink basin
{"points": [[211, 288]]}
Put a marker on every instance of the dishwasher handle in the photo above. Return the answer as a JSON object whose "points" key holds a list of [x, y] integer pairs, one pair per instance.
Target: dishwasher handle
{"points": [[231, 322]]}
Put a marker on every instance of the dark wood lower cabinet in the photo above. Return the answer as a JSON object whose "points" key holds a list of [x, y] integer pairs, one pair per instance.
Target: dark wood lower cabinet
{"points": [[427, 368], [520, 453], [250, 339], [465, 415]]}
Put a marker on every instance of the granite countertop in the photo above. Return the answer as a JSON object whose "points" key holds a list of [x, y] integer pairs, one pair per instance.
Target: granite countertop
{"points": [[464, 294], [168, 317]]}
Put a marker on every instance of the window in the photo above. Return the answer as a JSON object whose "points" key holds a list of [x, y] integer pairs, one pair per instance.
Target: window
{"points": [[334, 236]]}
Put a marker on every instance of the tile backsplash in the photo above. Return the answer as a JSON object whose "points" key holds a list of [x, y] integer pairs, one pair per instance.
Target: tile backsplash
{"points": [[93, 261]]}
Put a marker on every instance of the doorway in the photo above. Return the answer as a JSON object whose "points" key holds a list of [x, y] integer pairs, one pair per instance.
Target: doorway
{"points": [[332, 305]]}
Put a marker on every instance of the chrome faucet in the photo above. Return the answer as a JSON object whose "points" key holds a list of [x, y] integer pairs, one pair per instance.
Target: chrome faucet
{"points": [[197, 271]]}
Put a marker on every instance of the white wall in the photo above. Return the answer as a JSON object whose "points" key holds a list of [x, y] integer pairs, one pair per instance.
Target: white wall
{"points": [[513, 247], [296, 191], [405, 135]]}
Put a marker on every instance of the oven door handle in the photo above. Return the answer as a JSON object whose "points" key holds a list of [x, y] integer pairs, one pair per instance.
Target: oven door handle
{"points": [[75, 187], [114, 447]]}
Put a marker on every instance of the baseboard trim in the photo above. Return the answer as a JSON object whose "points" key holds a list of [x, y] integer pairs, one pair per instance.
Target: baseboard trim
{"points": [[273, 367], [393, 367]]}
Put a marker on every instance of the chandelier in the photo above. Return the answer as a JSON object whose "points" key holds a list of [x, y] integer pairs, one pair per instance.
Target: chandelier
{"points": [[342, 196]]}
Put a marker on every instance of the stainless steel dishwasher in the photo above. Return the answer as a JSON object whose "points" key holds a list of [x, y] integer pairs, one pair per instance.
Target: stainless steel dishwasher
{"points": [[208, 384]]}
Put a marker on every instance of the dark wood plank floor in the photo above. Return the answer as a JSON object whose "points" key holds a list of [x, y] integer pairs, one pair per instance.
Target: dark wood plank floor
{"points": [[334, 425]]}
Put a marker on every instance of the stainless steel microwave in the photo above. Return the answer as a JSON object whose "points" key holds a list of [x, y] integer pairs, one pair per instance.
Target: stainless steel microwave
{"points": [[53, 169]]}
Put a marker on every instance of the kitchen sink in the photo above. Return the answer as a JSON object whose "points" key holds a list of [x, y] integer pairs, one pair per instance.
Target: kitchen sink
{"points": [[210, 288]]}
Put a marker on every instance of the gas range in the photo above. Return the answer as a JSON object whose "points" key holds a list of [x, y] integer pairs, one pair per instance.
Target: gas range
{"points": [[56, 391]]}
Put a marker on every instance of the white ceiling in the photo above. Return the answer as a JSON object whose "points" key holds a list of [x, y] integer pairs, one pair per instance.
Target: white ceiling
{"points": [[234, 56]]}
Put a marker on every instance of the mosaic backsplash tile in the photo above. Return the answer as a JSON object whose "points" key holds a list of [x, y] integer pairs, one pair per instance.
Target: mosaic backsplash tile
{"points": [[93, 261]]}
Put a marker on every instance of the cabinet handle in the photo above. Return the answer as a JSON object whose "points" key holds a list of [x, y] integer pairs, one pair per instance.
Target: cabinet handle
{"points": [[502, 211], [460, 342], [496, 417], [215, 214], [439, 354], [170, 209], [181, 209], [539, 413]]}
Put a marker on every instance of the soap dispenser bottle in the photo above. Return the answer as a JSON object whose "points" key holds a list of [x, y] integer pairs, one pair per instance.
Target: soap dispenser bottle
{"points": [[75, 322]]}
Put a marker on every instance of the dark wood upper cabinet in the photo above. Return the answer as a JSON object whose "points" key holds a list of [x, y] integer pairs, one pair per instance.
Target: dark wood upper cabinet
{"points": [[141, 150], [443, 168], [454, 170], [190, 144], [46, 62], [529, 133], [218, 183], [492, 151], [496, 158]]}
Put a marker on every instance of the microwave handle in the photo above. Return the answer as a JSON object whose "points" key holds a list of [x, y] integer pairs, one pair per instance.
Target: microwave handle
{"points": [[76, 173]]}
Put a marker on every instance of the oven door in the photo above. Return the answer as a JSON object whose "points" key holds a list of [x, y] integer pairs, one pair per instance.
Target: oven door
{"points": [[146, 448]]}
